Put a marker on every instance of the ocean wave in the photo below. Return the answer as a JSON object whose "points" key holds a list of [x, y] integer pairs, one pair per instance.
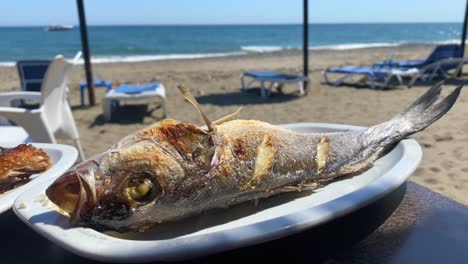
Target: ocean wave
{"points": [[351, 46], [449, 41], [7, 63], [141, 58], [243, 51], [263, 48]]}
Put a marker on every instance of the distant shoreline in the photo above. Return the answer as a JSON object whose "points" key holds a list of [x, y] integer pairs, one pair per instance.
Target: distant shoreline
{"points": [[245, 51]]}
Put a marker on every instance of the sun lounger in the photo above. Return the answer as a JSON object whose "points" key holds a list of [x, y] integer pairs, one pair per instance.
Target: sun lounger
{"points": [[442, 60], [133, 92], [31, 73], [374, 76], [444, 68], [273, 78], [97, 83], [441, 52]]}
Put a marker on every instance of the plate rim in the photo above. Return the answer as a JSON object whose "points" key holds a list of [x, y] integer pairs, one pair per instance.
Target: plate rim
{"points": [[67, 158], [154, 250]]}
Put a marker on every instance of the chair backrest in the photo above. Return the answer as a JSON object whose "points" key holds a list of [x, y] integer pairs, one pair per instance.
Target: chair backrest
{"points": [[53, 91], [31, 74], [444, 52]]}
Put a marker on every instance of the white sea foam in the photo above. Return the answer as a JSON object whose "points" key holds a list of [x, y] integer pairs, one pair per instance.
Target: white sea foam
{"points": [[449, 41], [351, 46], [7, 63], [140, 58], [263, 48], [244, 50]]}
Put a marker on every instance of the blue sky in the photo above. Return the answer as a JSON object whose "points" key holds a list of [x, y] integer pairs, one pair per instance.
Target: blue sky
{"points": [[108, 12]]}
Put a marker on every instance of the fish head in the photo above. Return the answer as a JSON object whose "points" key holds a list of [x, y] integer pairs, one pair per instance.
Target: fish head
{"points": [[137, 183]]}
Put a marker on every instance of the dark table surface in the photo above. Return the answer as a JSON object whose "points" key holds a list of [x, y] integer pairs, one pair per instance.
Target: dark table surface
{"points": [[410, 225]]}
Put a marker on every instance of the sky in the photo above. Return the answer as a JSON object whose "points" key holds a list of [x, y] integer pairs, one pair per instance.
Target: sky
{"points": [[176, 12]]}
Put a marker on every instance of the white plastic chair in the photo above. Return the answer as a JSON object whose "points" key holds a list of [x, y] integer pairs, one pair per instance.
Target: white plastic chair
{"points": [[54, 114]]}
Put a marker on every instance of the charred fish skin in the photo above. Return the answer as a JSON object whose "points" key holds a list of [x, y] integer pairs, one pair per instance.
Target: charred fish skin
{"points": [[173, 170]]}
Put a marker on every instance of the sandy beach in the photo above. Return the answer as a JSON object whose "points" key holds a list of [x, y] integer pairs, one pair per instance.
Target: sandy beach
{"points": [[215, 83]]}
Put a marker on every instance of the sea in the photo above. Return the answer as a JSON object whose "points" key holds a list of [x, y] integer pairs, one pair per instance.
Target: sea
{"points": [[141, 43]]}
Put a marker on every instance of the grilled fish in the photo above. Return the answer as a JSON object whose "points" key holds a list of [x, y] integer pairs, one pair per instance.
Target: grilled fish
{"points": [[172, 170], [19, 163]]}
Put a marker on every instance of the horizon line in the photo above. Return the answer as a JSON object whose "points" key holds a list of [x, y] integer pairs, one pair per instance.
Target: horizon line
{"points": [[242, 24]]}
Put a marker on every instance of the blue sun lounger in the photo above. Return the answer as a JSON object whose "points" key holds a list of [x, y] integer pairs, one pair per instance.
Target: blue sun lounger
{"points": [[97, 83], [31, 73], [273, 78], [442, 60], [374, 75], [133, 92], [441, 52]]}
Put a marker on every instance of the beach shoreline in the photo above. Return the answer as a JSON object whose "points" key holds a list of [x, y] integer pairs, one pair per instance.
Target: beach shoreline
{"points": [[215, 83], [248, 51]]}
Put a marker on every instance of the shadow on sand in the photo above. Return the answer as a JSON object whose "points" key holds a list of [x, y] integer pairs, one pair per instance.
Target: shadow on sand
{"points": [[451, 81], [130, 114], [251, 96]]}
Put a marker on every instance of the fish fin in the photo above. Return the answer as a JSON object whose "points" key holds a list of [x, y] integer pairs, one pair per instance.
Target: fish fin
{"points": [[225, 119], [300, 187], [185, 91]]}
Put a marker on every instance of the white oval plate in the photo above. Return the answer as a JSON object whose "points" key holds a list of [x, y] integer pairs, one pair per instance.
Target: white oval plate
{"points": [[62, 157], [224, 229]]}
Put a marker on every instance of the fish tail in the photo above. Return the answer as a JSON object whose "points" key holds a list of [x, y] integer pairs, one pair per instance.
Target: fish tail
{"points": [[423, 112], [376, 140]]}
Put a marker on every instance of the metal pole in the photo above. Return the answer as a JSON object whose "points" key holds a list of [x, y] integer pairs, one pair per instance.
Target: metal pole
{"points": [[305, 44], [464, 30], [86, 52], [463, 37]]}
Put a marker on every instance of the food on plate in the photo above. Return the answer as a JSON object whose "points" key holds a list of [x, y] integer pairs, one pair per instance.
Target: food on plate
{"points": [[19, 163], [172, 170]]}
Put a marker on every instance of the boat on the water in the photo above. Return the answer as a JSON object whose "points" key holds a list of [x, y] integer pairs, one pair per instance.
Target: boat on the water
{"points": [[58, 27]]}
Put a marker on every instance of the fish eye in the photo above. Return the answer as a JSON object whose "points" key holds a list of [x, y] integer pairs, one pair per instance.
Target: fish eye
{"points": [[141, 189]]}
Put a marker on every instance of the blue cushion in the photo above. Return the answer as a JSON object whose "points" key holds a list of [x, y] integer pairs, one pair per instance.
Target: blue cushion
{"points": [[97, 83], [376, 72], [137, 88], [262, 74], [400, 64], [271, 75]]}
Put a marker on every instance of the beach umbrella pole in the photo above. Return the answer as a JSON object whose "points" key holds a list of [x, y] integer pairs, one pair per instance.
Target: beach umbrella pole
{"points": [[464, 36], [305, 46], [465, 22], [86, 53]]}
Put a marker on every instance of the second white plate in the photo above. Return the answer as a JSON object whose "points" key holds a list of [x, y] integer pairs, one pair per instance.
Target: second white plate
{"points": [[62, 156]]}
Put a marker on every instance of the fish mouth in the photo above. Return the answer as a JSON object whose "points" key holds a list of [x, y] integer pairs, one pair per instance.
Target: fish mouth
{"points": [[75, 191]]}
